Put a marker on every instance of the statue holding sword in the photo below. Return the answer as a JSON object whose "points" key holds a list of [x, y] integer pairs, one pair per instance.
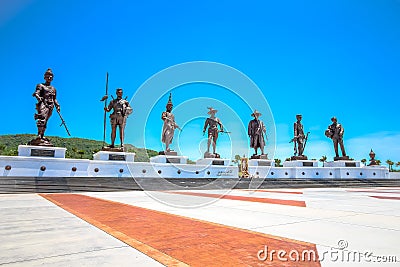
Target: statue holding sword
{"points": [[46, 96], [212, 123]]}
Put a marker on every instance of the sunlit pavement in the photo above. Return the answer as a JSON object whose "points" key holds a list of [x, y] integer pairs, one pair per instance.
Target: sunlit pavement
{"points": [[285, 227]]}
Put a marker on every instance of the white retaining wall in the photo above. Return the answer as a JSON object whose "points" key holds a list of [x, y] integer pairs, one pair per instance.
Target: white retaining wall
{"points": [[58, 167]]}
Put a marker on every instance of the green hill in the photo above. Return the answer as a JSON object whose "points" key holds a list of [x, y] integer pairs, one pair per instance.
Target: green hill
{"points": [[78, 148]]}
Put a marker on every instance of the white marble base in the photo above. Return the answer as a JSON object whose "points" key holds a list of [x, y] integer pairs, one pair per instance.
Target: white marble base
{"points": [[300, 163], [109, 168], [60, 167], [394, 175], [167, 170], [213, 161], [259, 172], [169, 159], [43, 166], [262, 162], [343, 163], [319, 172], [41, 151], [114, 156]]}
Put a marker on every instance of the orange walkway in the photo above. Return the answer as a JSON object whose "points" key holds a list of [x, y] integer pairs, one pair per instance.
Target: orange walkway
{"points": [[272, 191], [388, 191], [382, 197], [296, 203], [178, 241]]}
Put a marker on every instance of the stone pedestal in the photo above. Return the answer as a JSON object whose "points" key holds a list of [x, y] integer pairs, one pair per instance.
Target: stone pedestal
{"points": [[113, 149], [259, 168], [341, 158], [262, 162], [40, 142], [169, 159], [41, 151], [298, 158], [168, 153], [114, 156], [208, 155], [213, 161], [263, 156], [301, 163], [373, 163], [343, 163]]}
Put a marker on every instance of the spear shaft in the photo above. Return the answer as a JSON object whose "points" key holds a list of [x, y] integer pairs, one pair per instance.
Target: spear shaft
{"points": [[105, 113]]}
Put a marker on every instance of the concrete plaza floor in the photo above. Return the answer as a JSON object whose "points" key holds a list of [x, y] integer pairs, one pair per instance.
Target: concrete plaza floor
{"points": [[345, 227]]}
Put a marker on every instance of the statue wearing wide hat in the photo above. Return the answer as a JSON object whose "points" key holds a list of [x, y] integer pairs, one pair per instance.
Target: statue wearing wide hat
{"points": [[212, 124], [256, 132]]}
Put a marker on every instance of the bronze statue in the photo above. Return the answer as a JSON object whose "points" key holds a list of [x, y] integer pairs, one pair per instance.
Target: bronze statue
{"points": [[335, 131], [372, 155], [256, 132], [299, 139], [212, 123], [169, 125], [121, 110], [46, 96]]}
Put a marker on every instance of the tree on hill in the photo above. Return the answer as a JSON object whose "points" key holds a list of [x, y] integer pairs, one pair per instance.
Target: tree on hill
{"points": [[2, 147], [76, 147]]}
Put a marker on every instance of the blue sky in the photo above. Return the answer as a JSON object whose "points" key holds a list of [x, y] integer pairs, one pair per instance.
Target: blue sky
{"points": [[318, 58]]}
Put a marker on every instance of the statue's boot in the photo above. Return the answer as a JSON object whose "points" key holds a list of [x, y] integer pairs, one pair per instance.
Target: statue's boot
{"points": [[41, 132]]}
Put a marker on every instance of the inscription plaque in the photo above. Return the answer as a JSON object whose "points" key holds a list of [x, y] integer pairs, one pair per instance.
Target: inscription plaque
{"points": [[42, 152], [116, 157], [218, 162], [264, 163], [307, 164], [173, 160], [350, 164]]}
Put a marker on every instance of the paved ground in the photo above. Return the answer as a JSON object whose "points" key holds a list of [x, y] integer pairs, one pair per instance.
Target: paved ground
{"points": [[282, 227]]}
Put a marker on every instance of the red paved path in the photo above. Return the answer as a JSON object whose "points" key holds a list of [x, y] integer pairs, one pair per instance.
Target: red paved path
{"points": [[296, 203], [382, 197], [175, 240], [273, 191]]}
